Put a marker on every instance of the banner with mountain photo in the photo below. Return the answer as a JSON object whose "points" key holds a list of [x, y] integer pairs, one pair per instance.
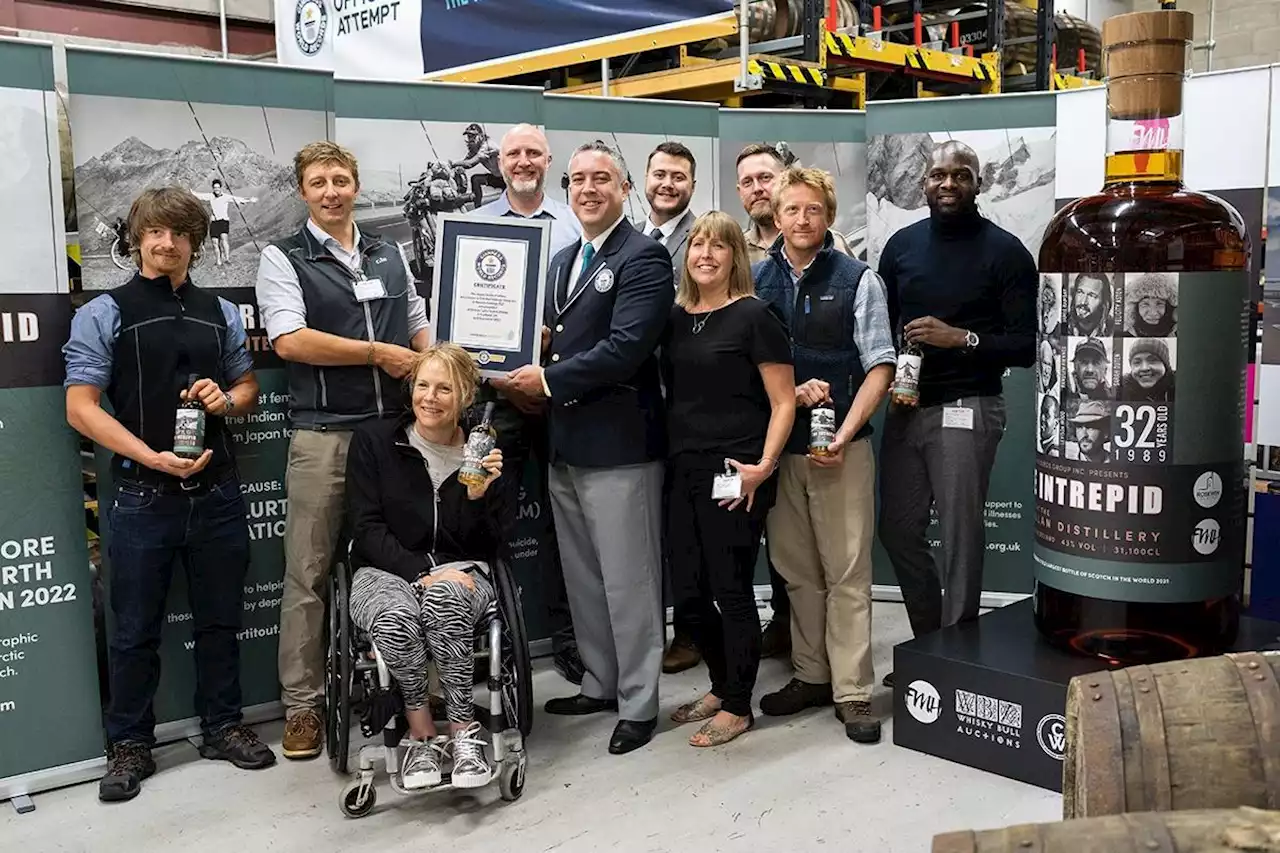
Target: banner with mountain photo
{"points": [[405, 39], [227, 131], [50, 711], [1014, 138]]}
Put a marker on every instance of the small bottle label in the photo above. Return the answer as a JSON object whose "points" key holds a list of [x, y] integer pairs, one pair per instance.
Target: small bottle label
{"points": [[1139, 426], [906, 381], [822, 429], [188, 433], [479, 444]]}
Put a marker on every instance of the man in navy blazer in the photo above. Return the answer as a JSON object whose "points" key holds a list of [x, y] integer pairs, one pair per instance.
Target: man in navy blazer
{"points": [[608, 301]]}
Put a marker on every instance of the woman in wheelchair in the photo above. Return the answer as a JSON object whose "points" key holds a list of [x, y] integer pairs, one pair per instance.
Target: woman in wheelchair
{"points": [[423, 543]]}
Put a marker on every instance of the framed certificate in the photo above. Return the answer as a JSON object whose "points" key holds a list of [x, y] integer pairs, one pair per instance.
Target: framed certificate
{"points": [[490, 281]]}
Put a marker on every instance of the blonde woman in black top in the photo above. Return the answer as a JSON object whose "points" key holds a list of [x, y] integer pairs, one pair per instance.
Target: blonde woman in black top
{"points": [[726, 359]]}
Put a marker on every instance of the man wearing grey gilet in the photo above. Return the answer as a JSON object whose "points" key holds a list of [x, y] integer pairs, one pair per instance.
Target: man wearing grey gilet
{"points": [[340, 308]]}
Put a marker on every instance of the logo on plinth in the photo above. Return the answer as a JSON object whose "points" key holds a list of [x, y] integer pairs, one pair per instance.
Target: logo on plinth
{"points": [[923, 702], [491, 265], [1051, 734], [310, 20], [1208, 489], [989, 719]]}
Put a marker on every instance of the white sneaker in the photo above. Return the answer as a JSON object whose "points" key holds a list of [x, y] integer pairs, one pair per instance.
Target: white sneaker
{"points": [[470, 766], [420, 767]]}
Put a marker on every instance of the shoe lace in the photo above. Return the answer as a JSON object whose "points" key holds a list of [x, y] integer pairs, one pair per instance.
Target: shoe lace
{"points": [[241, 735], [468, 747], [421, 754], [795, 685], [300, 723]]}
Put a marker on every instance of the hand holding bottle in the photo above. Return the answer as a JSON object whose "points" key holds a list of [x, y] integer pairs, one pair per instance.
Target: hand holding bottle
{"points": [[812, 392], [208, 394], [492, 465], [170, 463]]}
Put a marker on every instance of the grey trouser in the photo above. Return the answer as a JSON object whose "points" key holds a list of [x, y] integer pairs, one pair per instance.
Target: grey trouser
{"points": [[609, 525], [923, 463]]}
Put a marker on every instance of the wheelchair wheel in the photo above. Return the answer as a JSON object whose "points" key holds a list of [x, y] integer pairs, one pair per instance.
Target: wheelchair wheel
{"points": [[511, 777], [517, 687], [351, 803], [338, 666]]}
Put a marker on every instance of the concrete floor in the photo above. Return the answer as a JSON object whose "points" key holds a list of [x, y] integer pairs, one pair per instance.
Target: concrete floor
{"points": [[793, 784]]}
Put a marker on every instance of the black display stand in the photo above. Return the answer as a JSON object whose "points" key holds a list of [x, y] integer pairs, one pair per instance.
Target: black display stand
{"points": [[992, 693]]}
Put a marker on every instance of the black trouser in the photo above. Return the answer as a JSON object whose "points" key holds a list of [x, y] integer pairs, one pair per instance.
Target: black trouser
{"points": [[779, 601], [522, 437], [152, 532], [713, 554]]}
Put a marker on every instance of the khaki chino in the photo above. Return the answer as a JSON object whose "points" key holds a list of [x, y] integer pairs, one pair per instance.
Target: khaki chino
{"points": [[820, 534]]}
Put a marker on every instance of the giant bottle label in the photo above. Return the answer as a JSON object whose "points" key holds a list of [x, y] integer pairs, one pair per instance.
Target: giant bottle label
{"points": [[1139, 412]]}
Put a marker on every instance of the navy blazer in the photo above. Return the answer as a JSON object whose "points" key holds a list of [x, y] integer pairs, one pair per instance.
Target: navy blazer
{"points": [[601, 366]]}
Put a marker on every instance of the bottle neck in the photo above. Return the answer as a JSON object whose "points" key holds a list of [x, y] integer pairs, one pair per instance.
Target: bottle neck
{"points": [[1144, 151]]}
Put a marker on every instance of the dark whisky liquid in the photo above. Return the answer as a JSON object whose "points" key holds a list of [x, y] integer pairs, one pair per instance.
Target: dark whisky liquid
{"points": [[1148, 226]]}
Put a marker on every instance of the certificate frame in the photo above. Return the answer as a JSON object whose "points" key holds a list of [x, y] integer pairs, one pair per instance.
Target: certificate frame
{"points": [[495, 348]]}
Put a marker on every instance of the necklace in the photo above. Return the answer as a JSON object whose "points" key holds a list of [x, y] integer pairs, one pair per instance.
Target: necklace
{"points": [[701, 320]]}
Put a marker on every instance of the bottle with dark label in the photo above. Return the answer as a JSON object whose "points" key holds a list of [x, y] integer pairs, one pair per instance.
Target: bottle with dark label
{"points": [[1140, 499], [479, 444], [822, 428], [906, 380], [188, 428]]}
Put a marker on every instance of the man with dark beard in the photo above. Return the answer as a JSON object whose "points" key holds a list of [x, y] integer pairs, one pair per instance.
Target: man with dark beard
{"points": [[964, 290], [759, 165], [669, 180], [1089, 309], [1089, 369], [1091, 428]]}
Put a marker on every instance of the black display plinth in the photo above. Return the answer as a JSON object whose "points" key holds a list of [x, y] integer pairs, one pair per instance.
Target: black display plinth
{"points": [[992, 693]]}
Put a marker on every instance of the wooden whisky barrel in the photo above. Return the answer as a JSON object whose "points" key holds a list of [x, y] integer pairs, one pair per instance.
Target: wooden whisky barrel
{"points": [[1200, 831], [1074, 34], [1193, 734]]}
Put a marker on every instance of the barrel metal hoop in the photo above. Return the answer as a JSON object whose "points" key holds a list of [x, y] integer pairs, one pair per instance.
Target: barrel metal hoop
{"points": [[1131, 751], [1262, 689], [1156, 775], [1099, 731]]}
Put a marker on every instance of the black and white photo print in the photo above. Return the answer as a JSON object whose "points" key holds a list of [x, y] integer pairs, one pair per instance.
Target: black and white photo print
{"points": [[31, 216], [1149, 368], [1089, 372], [1151, 304], [1049, 305], [1091, 303], [237, 159]]}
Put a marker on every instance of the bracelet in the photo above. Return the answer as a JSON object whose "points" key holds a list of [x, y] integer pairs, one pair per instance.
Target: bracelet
{"points": [[773, 463], [230, 401]]}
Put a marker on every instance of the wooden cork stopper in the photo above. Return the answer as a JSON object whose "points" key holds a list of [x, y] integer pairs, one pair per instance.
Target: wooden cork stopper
{"points": [[1146, 60]]}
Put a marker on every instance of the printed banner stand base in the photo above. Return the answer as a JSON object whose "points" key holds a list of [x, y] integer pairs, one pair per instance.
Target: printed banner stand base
{"points": [[26, 784], [992, 694]]}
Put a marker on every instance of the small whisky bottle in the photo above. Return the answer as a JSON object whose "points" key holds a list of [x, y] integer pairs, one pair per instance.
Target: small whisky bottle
{"points": [[822, 428], [906, 381], [479, 444], [188, 427]]}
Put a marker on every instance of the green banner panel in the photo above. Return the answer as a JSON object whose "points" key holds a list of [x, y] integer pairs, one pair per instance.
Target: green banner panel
{"points": [[437, 102], [794, 125], [630, 115], [971, 112], [169, 78], [26, 65]]}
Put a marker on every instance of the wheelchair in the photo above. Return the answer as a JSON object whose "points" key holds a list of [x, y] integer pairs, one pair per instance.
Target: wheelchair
{"points": [[360, 687]]}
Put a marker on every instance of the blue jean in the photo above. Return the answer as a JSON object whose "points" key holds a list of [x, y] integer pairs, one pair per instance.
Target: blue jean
{"points": [[151, 532]]}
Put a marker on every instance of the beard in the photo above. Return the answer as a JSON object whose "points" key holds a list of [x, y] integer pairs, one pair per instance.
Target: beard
{"points": [[525, 186]]}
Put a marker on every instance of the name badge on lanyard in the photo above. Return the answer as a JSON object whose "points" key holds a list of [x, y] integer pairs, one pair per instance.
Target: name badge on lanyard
{"points": [[726, 486], [368, 289]]}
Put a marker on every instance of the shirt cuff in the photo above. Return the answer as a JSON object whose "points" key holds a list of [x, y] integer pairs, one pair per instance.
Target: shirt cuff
{"points": [[545, 388]]}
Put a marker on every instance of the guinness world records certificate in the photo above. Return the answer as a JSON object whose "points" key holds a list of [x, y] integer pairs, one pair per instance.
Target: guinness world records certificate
{"points": [[489, 287]]}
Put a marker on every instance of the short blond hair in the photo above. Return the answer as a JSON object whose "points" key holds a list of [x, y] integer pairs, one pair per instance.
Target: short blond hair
{"points": [[818, 179], [460, 367], [715, 225], [324, 152]]}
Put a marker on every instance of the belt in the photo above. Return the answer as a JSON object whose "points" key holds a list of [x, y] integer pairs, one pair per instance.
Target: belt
{"points": [[191, 487]]}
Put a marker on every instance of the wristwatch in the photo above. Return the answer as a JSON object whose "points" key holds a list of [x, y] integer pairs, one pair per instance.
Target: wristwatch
{"points": [[970, 340], [230, 401]]}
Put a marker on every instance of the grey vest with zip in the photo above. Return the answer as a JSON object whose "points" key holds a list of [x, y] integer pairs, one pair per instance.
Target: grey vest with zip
{"points": [[342, 397]]}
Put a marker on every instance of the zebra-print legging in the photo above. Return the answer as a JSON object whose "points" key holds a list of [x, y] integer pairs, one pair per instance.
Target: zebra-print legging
{"points": [[406, 620]]}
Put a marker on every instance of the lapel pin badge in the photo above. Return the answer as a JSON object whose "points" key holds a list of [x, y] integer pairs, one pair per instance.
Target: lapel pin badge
{"points": [[604, 281]]}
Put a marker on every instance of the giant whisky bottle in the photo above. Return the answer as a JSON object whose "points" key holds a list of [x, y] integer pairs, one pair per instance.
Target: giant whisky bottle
{"points": [[1140, 477]]}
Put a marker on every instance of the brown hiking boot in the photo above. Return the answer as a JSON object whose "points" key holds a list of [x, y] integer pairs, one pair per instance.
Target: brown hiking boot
{"points": [[859, 725], [682, 654], [303, 735]]}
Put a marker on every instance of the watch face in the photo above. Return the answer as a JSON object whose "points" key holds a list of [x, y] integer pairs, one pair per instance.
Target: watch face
{"points": [[971, 339]]}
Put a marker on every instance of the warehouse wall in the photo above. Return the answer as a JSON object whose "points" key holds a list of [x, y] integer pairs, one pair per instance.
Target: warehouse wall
{"points": [[1246, 32]]}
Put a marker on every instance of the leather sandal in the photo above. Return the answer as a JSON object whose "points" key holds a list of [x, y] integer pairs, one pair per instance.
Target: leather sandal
{"points": [[717, 736], [692, 712]]}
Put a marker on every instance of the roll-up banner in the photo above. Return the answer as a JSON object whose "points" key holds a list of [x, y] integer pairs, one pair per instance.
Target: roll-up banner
{"points": [[226, 131], [432, 148], [1014, 137], [50, 709], [405, 39], [831, 140]]}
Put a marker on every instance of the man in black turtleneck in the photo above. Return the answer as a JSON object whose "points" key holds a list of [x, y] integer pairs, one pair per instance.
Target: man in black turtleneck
{"points": [[964, 289]]}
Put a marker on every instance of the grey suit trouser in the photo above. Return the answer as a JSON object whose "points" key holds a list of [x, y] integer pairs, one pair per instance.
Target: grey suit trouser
{"points": [[609, 526], [924, 464]]}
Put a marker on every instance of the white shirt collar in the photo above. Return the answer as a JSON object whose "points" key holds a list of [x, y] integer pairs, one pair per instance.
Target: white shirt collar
{"points": [[667, 228], [326, 238]]}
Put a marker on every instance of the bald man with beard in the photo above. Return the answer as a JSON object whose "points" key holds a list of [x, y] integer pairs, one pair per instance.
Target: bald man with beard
{"points": [[520, 421], [964, 290]]}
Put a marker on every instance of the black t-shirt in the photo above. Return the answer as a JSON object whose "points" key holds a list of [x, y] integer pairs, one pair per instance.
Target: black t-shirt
{"points": [[717, 405]]}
